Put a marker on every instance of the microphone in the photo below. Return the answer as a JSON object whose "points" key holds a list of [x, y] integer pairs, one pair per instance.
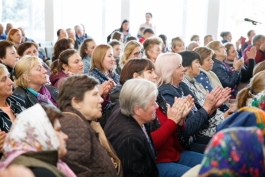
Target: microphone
{"points": [[253, 22]]}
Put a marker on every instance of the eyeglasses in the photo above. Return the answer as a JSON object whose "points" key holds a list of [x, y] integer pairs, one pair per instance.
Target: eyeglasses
{"points": [[136, 54]]}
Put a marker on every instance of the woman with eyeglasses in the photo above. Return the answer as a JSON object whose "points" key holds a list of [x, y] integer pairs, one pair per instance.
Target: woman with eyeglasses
{"points": [[132, 50], [152, 48], [228, 77]]}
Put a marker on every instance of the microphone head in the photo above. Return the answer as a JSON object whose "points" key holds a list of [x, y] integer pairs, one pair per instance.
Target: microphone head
{"points": [[248, 20]]}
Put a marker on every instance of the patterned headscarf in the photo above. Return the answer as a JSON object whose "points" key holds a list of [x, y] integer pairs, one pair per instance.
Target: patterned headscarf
{"points": [[32, 131], [234, 152], [259, 101]]}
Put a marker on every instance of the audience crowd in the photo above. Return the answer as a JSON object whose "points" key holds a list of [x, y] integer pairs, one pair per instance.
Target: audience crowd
{"points": [[134, 107]]}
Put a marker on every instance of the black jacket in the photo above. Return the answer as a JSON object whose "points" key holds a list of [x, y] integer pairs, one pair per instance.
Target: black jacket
{"points": [[195, 121], [131, 146], [30, 99]]}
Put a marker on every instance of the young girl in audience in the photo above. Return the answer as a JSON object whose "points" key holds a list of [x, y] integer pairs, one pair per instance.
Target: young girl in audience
{"points": [[246, 70], [30, 80], [14, 36], [132, 49], [152, 48], [8, 56], [69, 63], [85, 51], [60, 46], [177, 45], [37, 142], [89, 152], [257, 84], [117, 49]]}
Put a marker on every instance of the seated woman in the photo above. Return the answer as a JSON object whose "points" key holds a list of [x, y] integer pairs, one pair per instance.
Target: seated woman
{"points": [[228, 77], [170, 73], [41, 153], [207, 78], [8, 56], [69, 63], [257, 85], [177, 45], [85, 51], [10, 105], [246, 70], [166, 129], [14, 36], [117, 50], [127, 133], [152, 48], [89, 153], [31, 49], [60, 46], [132, 49], [192, 65], [30, 78], [242, 153]]}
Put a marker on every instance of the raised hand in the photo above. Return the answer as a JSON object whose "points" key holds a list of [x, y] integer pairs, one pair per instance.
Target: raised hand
{"points": [[225, 95], [251, 54], [211, 99], [175, 112], [238, 63], [189, 103]]}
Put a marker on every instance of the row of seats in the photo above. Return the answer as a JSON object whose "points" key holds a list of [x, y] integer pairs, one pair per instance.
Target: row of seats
{"points": [[46, 48]]}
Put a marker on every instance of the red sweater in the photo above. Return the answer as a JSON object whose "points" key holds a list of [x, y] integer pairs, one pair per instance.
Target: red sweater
{"points": [[260, 55], [165, 139]]}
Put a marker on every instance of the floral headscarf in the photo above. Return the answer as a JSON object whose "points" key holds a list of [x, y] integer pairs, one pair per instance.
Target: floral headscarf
{"points": [[31, 131], [234, 152], [258, 101]]}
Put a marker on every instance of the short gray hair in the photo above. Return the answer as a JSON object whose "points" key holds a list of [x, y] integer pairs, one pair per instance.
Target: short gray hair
{"points": [[136, 92], [256, 38]]}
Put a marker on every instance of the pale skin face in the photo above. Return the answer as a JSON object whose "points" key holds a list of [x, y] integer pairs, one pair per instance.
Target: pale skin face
{"points": [[231, 54], [108, 61], [207, 64], [220, 54], [63, 34], [37, 76], [178, 75], [145, 115], [154, 52], [90, 107], [75, 65], [148, 18], [228, 37], [148, 75], [90, 48], [179, 47], [116, 51], [32, 51], [16, 37], [62, 138], [136, 53], [11, 57], [5, 85]]}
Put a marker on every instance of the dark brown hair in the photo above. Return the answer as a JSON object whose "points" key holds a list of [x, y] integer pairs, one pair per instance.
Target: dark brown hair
{"points": [[75, 87], [24, 46], [135, 66], [83, 46], [114, 42], [52, 112], [61, 45], [3, 46], [57, 65], [116, 35]]}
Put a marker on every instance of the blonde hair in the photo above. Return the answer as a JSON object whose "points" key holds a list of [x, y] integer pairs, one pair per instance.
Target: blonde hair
{"points": [[2, 68], [257, 84], [23, 67], [98, 56], [214, 45], [128, 49], [165, 66], [176, 41], [258, 67]]}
